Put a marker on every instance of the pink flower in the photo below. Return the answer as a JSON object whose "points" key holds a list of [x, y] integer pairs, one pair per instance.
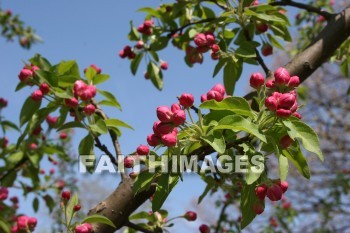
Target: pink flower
{"points": [[200, 40]]}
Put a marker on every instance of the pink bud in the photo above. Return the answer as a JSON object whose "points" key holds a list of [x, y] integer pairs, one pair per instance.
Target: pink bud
{"points": [[34, 68], [72, 103], [88, 93], [4, 192], [204, 98], [179, 117], [139, 44], [283, 185], [142, 150], [262, 27], [215, 56], [83, 228], [190, 216], [164, 65], [32, 222], [161, 128], [89, 109], [204, 228], [98, 69], [164, 114], [77, 208], [215, 48], [44, 88], [283, 112], [267, 50], [286, 141], [33, 146], [200, 40], [215, 95], [3, 103], [169, 140], [271, 103], [286, 100], [270, 83], [79, 87], [274, 192], [186, 100], [63, 135], [129, 162], [37, 95], [52, 171], [149, 23], [51, 120], [294, 81], [255, 3], [210, 38], [294, 107], [256, 80], [282, 76], [22, 222], [258, 208], [219, 88], [175, 107], [260, 191], [65, 195], [25, 74], [14, 229], [153, 140], [297, 115], [122, 54]]}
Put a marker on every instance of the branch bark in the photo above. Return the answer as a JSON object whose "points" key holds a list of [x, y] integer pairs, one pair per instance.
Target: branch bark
{"points": [[122, 202]]}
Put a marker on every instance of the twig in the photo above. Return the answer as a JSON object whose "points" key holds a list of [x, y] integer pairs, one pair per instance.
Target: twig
{"points": [[221, 217], [104, 148], [137, 227], [309, 8], [174, 31], [262, 63]]}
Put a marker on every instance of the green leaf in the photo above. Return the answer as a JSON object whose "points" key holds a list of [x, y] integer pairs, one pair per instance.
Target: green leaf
{"points": [[99, 127], [133, 34], [237, 105], [155, 75], [216, 140], [248, 199], [274, 42], [237, 123], [73, 201], [111, 99], [135, 63], [254, 171], [35, 159], [9, 125], [205, 192], [140, 215], [72, 124], [68, 68], [90, 73], [50, 203], [160, 43], [309, 139], [86, 145], [283, 167], [8, 180], [246, 49], [14, 158], [265, 17], [100, 78], [143, 181], [165, 185], [5, 226], [117, 123], [47, 77], [298, 159], [98, 219], [232, 73], [20, 85], [28, 109], [36, 204], [219, 66]]}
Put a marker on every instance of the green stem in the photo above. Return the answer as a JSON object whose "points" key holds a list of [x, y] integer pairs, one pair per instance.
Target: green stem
{"points": [[189, 113]]}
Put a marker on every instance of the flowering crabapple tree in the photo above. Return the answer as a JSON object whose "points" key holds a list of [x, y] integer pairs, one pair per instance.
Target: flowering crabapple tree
{"points": [[264, 124]]}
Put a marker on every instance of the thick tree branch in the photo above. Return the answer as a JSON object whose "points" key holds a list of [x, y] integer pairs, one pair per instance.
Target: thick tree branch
{"points": [[307, 7], [122, 202]]}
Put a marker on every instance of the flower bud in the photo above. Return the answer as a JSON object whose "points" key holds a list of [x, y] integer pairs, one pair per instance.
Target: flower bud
{"points": [[161, 128], [129, 162], [164, 114], [37, 95], [179, 117], [89, 109], [282, 76], [33, 146], [65, 195], [63, 135], [51, 120], [215, 95], [256, 80], [32, 222], [142, 150], [261, 27], [186, 100], [286, 100], [286, 141], [215, 48], [200, 40], [283, 185], [190, 216], [98, 69], [210, 38], [293, 81], [204, 228], [77, 207], [260, 191], [169, 140], [44, 88], [153, 140], [4, 192], [139, 44], [267, 50], [297, 115], [3, 103], [270, 83], [258, 208], [25, 74], [175, 107], [271, 103], [164, 65], [283, 112], [83, 228], [204, 98], [72, 103], [274, 192], [79, 87]]}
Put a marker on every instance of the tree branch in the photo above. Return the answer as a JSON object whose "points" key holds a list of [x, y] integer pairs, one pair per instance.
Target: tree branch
{"points": [[174, 31], [307, 7], [221, 217]]}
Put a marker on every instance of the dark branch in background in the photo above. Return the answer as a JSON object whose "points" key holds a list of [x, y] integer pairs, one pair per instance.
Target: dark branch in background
{"points": [[122, 202], [104, 148], [221, 217], [224, 7], [137, 227], [307, 7], [16, 168], [180, 29]]}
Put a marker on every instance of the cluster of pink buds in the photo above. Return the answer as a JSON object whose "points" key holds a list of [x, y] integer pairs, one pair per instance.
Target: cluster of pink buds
{"points": [[24, 224], [4, 142], [4, 193], [127, 52], [165, 130], [83, 228], [98, 69], [216, 93], [273, 191], [283, 100], [193, 56], [3, 103], [205, 42], [27, 73], [146, 27]]}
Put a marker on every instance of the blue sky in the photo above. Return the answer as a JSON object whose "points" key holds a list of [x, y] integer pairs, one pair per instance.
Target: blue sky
{"points": [[93, 32]]}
